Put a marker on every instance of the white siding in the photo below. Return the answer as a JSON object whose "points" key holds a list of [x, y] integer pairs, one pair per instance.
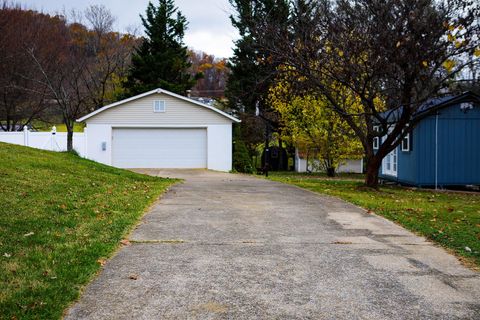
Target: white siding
{"points": [[140, 112], [98, 134], [351, 166], [220, 147], [348, 166]]}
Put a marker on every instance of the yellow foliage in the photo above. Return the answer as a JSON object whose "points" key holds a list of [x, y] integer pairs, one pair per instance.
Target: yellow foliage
{"points": [[311, 124], [449, 65]]}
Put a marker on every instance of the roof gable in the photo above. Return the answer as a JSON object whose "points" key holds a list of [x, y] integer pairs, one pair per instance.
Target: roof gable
{"points": [[432, 104], [158, 91]]}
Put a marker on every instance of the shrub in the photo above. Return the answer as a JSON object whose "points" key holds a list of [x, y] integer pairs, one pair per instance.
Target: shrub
{"points": [[241, 158]]}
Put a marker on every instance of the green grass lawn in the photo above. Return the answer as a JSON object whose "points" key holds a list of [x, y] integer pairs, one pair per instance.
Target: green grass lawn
{"points": [[47, 127], [450, 219], [60, 217]]}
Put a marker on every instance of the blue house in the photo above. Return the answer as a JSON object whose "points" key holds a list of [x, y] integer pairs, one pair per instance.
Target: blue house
{"points": [[444, 147]]}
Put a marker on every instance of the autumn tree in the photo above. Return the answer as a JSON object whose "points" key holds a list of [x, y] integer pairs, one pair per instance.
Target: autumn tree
{"points": [[101, 20], [214, 73], [23, 95], [308, 122], [391, 55], [109, 56], [161, 61], [63, 76], [80, 75]]}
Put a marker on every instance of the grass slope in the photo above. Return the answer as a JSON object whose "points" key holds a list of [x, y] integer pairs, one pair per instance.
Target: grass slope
{"points": [[450, 219], [60, 215], [47, 127]]}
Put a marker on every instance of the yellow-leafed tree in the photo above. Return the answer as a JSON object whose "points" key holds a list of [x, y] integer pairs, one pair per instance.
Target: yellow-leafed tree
{"points": [[309, 123]]}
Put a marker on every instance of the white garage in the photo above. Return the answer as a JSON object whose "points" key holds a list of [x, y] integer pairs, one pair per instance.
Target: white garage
{"points": [[159, 129]]}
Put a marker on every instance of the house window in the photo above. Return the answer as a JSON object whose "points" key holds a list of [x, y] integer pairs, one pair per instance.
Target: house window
{"points": [[159, 106], [390, 163], [376, 140], [406, 143]]}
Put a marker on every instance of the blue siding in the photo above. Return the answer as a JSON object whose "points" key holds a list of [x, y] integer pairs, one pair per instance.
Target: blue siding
{"points": [[426, 152], [458, 150], [407, 161], [458, 147]]}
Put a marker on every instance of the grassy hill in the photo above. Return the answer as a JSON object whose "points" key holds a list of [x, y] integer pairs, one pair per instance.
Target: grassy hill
{"points": [[60, 217]]}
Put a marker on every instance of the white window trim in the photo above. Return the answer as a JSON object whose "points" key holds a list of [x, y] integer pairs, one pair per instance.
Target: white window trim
{"points": [[407, 139], [376, 140], [159, 106]]}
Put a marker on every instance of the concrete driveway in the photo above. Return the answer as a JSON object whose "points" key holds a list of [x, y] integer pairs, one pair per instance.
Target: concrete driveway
{"points": [[221, 246]]}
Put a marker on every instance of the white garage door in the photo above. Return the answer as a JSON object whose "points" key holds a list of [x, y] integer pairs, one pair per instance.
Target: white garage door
{"points": [[159, 148]]}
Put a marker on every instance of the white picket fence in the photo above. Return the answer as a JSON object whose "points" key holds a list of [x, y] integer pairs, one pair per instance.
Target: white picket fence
{"points": [[53, 140]]}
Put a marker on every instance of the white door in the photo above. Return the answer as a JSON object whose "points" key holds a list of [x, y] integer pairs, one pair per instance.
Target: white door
{"points": [[159, 148]]}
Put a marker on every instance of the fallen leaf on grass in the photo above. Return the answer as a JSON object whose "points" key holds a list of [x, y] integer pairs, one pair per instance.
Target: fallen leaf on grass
{"points": [[7, 255], [101, 262], [29, 234]]}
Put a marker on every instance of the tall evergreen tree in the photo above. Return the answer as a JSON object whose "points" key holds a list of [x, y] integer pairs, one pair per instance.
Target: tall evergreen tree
{"points": [[162, 59], [253, 72]]}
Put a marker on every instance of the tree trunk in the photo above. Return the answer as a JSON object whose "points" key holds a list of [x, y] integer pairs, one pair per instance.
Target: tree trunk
{"points": [[330, 171], [69, 139], [281, 163], [373, 166]]}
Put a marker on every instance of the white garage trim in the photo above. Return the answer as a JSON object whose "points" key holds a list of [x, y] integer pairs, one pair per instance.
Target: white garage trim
{"points": [[151, 147]]}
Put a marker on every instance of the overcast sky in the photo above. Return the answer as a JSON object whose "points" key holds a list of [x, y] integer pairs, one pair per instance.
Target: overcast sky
{"points": [[209, 26]]}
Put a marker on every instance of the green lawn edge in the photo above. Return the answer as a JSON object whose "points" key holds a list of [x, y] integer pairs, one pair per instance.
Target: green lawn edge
{"points": [[449, 219], [61, 217]]}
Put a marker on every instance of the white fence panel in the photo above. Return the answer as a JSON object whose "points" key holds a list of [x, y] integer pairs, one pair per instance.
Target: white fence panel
{"points": [[53, 141], [12, 137]]}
